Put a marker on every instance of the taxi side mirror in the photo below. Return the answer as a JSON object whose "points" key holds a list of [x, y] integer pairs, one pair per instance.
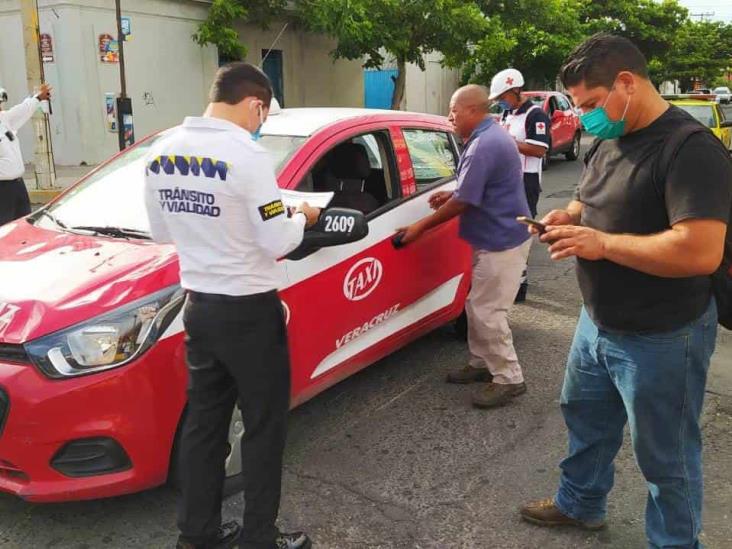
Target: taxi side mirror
{"points": [[336, 226]]}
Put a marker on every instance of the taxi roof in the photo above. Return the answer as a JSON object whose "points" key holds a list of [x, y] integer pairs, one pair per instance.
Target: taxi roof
{"points": [[304, 122]]}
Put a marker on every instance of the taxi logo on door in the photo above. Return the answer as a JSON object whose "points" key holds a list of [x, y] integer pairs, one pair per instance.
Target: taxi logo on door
{"points": [[362, 278]]}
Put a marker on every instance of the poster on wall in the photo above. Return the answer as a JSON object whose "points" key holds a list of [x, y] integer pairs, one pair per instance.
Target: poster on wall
{"points": [[46, 48], [110, 101], [108, 49], [126, 28]]}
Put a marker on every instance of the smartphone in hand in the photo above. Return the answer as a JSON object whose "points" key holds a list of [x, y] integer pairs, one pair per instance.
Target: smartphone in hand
{"points": [[532, 223]]}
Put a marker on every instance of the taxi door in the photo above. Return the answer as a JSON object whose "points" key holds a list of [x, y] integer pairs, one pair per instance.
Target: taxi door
{"points": [[350, 305]]}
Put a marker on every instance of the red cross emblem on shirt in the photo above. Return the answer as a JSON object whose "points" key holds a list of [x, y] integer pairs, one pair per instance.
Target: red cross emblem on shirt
{"points": [[509, 81]]}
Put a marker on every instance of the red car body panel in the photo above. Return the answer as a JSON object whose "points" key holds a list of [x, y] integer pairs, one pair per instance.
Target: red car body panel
{"points": [[348, 306]]}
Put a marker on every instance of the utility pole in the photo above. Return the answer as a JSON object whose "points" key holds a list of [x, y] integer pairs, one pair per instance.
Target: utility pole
{"points": [[43, 163], [125, 131], [703, 16]]}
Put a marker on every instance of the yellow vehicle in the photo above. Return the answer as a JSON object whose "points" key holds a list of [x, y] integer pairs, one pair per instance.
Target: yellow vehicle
{"points": [[707, 111]]}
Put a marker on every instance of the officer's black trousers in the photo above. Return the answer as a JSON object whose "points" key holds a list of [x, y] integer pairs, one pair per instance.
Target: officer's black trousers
{"points": [[236, 349], [14, 200]]}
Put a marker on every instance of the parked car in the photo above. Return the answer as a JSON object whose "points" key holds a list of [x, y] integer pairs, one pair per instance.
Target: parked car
{"points": [[724, 94], [566, 129], [707, 111], [92, 375]]}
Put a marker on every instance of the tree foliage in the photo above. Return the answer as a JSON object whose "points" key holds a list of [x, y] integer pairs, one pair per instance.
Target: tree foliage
{"points": [[485, 36], [218, 29], [405, 31]]}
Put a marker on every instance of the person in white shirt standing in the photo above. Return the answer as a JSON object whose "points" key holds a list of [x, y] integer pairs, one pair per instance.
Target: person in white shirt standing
{"points": [[529, 125], [14, 200], [211, 190]]}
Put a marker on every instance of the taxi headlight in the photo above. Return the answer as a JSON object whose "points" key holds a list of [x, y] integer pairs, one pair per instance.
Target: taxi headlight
{"points": [[107, 341]]}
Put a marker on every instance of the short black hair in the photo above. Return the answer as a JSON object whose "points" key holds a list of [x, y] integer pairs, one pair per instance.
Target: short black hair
{"points": [[235, 81], [599, 60]]}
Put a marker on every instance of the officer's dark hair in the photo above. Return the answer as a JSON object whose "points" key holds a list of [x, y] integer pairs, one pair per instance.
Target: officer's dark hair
{"points": [[599, 60], [235, 81]]}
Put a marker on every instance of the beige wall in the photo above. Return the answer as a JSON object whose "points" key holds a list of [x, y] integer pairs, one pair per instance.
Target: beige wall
{"points": [[310, 76], [162, 63], [430, 90], [168, 75]]}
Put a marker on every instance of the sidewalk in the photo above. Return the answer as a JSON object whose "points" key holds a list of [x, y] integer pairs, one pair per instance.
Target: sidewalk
{"points": [[65, 177]]}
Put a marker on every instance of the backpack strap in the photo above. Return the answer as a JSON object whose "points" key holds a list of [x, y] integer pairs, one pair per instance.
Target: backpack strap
{"points": [[591, 151], [670, 150]]}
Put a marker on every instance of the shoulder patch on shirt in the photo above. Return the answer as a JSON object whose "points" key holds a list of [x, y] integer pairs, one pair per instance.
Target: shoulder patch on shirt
{"points": [[271, 210], [540, 128]]}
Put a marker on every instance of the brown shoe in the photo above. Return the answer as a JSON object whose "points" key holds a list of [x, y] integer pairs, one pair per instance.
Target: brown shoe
{"points": [[469, 374], [546, 513], [495, 394]]}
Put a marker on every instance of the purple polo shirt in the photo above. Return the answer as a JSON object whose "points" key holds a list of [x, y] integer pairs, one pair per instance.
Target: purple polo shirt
{"points": [[491, 182]]}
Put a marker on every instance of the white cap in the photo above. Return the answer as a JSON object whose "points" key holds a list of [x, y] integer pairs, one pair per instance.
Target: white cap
{"points": [[3, 95], [506, 80], [274, 107]]}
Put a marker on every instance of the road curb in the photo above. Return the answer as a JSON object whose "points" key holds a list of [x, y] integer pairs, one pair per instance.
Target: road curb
{"points": [[43, 196]]}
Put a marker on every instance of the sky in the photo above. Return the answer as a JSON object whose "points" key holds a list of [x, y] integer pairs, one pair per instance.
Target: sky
{"points": [[722, 8]]}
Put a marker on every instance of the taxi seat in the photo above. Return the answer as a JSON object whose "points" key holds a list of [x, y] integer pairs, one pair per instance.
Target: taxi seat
{"points": [[347, 170]]}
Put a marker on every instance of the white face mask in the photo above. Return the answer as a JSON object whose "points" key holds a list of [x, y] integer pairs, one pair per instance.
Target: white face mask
{"points": [[256, 134]]}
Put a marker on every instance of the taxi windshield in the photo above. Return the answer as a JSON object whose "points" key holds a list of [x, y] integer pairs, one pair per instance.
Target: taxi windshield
{"points": [[703, 113], [535, 99], [113, 196]]}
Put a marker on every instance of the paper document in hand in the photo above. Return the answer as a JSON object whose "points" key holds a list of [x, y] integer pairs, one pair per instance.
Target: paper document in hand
{"points": [[292, 199]]}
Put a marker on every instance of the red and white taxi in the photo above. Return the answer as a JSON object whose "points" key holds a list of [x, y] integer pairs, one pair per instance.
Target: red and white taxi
{"points": [[92, 375]]}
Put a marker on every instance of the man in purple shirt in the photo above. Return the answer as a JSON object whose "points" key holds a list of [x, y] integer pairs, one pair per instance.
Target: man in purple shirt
{"points": [[489, 197]]}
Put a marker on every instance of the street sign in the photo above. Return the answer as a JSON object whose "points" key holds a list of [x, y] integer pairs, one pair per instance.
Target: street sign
{"points": [[46, 48]]}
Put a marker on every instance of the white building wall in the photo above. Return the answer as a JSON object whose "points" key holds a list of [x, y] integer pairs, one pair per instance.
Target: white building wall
{"points": [[162, 63], [311, 78], [168, 74], [430, 90]]}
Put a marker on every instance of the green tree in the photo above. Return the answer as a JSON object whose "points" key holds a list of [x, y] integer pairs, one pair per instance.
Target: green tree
{"points": [[702, 50], [532, 35], [218, 29], [403, 30]]}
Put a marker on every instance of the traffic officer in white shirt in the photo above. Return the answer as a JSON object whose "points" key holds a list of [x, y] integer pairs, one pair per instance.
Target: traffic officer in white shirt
{"points": [[529, 125], [211, 190], [14, 200]]}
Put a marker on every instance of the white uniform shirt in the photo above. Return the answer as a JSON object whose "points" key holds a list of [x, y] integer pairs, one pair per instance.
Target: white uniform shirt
{"points": [[211, 190], [11, 158], [528, 124]]}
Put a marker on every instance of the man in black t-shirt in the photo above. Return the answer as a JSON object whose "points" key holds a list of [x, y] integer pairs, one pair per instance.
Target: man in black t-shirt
{"points": [[646, 238]]}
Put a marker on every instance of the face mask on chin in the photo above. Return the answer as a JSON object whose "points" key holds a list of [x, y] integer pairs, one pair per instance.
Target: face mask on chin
{"points": [[598, 123]]}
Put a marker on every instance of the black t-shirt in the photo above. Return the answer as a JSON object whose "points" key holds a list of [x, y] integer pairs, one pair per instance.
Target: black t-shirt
{"points": [[619, 196]]}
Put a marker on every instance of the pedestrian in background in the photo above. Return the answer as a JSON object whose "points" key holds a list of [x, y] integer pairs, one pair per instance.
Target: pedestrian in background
{"points": [[529, 125], [488, 199], [647, 228], [229, 226], [14, 199]]}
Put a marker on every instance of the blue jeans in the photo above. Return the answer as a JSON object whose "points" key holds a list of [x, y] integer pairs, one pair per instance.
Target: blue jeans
{"points": [[655, 383]]}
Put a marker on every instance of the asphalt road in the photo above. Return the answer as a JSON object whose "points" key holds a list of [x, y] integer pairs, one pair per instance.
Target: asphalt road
{"points": [[395, 458]]}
